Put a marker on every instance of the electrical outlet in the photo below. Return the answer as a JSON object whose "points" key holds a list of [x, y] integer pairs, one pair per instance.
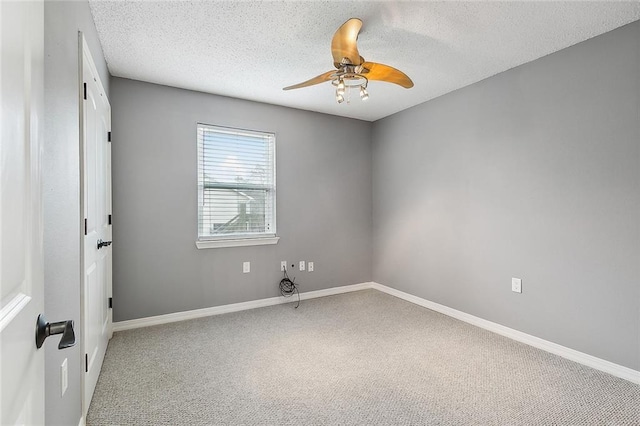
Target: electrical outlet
{"points": [[246, 267], [283, 266], [310, 266], [302, 265], [64, 377], [516, 285]]}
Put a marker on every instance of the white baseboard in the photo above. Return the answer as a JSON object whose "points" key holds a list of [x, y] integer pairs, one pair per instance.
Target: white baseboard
{"points": [[536, 342], [234, 307], [570, 354], [82, 423]]}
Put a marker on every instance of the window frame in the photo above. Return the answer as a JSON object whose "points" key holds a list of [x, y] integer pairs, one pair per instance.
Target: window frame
{"points": [[237, 239]]}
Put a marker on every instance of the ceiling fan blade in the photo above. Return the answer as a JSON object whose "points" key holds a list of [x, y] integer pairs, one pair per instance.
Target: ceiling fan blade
{"points": [[381, 72], [315, 80], [344, 43]]}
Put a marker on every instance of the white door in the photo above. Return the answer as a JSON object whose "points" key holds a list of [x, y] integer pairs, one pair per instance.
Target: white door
{"points": [[21, 256], [96, 290]]}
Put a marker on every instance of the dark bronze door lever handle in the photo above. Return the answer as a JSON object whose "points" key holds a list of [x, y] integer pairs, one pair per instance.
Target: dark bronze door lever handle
{"points": [[45, 329], [103, 244]]}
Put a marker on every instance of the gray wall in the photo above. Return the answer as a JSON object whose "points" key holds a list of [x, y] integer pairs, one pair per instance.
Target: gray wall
{"points": [[533, 173], [323, 166], [61, 180]]}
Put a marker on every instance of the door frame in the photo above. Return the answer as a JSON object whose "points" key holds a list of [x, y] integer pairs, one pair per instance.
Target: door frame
{"points": [[85, 52]]}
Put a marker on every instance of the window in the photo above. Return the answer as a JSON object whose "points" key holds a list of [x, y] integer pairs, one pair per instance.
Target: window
{"points": [[236, 187]]}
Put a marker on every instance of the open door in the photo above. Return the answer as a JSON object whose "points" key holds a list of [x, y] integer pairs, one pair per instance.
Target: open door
{"points": [[96, 204], [21, 249]]}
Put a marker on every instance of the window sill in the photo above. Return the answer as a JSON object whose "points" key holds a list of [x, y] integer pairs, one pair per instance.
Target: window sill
{"points": [[241, 242]]}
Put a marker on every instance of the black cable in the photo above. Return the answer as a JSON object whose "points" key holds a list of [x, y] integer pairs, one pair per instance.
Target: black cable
{"points": [[288, 287]]}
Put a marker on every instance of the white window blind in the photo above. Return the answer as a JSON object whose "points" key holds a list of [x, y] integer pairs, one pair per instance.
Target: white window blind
{"points": [[236, 183]]}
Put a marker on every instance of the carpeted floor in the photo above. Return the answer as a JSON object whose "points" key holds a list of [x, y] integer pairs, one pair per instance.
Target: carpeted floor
{"points": [[361, 358]]}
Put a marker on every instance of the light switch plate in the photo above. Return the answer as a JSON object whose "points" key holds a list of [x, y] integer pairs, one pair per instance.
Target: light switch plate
{"points": [[64, 377], [246, 267], [302, 265], [516, 285], [310, 266]]}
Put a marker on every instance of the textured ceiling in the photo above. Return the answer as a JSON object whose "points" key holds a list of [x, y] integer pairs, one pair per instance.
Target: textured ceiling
{"points": [[251, 50]]}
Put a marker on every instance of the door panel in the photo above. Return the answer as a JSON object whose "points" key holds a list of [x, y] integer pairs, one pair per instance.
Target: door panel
{"points": [[21, 252], [97, 208]]}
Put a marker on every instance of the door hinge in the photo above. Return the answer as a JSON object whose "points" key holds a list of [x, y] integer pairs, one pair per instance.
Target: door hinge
{"points": [[85, 90], [85, 226], [86, 363], [111, 303], [109, 218], [109, 136]]}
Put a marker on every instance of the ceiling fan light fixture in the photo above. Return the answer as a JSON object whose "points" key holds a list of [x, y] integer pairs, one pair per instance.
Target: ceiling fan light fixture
{"points": [[364, 95], [353, 72]]}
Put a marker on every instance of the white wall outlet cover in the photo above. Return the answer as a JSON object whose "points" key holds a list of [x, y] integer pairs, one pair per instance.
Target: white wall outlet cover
{"points": [[302, 265], [246, 267], [283, 266], [310, 266], [64, 377], [516, 285]]}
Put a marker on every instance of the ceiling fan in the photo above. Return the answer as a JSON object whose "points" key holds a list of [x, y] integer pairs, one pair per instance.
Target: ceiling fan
{"points": [[351, 69]]}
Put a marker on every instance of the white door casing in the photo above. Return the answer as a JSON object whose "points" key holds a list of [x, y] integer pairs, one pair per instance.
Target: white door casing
{"points": [[21, 234], [96, 206]]}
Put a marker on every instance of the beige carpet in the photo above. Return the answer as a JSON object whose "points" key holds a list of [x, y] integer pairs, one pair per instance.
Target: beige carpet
{"points": [[359, 358]]}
